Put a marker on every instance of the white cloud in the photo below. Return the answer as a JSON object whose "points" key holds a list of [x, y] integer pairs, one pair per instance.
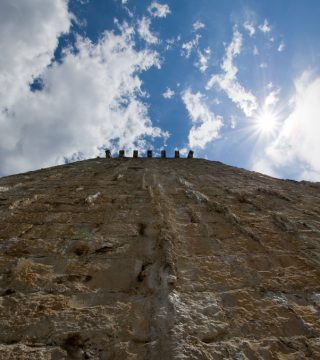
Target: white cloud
{"points": [[263, 65], [189, 46], [203, 58], [269, 85], [228, 81], [159, 10], [250, 28], [171, 42], [29, 32], [144, 31], [281, 46], [124, 4], [183, 151], [168, 94], [206, 125], [272, 98], [198, 25], [255, 50], [297, 146], [265, 27], [89, 100]]}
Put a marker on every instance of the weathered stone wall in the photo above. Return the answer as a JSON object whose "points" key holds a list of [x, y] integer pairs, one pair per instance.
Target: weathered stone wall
{"points": [[158, 259]]}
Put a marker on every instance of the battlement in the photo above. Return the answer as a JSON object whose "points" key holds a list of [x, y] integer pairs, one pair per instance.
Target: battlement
{"points": [[135, 154]]}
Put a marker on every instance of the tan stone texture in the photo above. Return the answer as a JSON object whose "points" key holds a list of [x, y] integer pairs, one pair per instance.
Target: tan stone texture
{"points": [[158, 259]]}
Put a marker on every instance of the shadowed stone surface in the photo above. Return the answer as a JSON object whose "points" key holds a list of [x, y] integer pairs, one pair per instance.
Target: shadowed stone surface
{"points": [[158, 259]]}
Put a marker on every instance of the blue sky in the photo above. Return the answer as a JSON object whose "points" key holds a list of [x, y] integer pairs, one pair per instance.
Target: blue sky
{"points": [[236, 81]]}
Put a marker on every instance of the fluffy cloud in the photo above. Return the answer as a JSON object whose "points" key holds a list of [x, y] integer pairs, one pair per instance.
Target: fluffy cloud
{"points": [[272, 98], [228, 80], [170, 43], [269, 85], [91, 99], [159, 10], [189, 46], [250, 28], [206, 125], [29, 32], [265, 27], [168, 94], [198, 25], [144, 31], [203, 58], [296, 149]]}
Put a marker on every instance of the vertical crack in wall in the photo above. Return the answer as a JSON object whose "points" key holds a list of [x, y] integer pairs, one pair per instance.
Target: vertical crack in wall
{"points": [[164, 312]]}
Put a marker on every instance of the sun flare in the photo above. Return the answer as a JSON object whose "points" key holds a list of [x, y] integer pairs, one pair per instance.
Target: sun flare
{"points": [[266, 122]]}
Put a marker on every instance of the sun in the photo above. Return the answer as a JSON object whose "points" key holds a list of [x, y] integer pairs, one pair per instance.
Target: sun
{"points": [[266, 122], [264, 125]]}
